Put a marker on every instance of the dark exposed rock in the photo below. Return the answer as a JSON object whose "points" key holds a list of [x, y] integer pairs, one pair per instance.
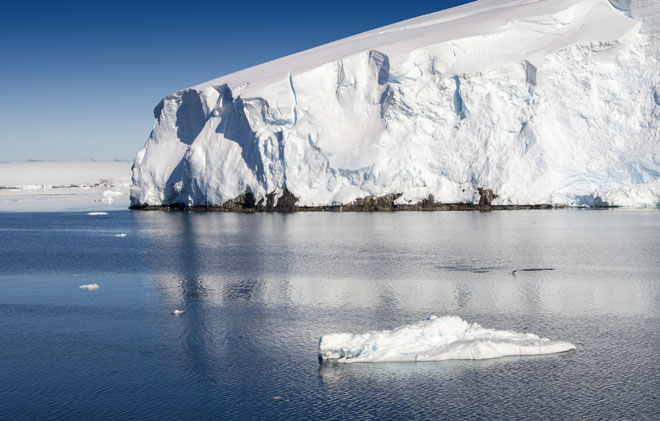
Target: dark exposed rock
{"points": [[373, 203], [243, 203], [486, 198], [287, 203]]}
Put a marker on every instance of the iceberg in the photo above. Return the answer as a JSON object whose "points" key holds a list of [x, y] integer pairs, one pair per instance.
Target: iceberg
{"points": [[435, 339], [502, 102]]}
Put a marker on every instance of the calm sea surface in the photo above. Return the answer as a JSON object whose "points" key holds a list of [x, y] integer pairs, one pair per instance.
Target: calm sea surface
{"points": [[259, 290]]}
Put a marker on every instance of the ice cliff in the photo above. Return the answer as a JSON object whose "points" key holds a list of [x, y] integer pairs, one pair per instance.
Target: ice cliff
{"points": [[541, 101]]}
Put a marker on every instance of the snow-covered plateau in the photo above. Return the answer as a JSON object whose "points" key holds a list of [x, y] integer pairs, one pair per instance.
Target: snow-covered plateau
{"points": [[541, 102], [77, 185], [435, 339]]}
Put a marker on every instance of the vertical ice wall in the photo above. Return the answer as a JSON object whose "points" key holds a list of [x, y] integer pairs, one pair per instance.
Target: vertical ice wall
{"points": [[646, 11], [540, 101]]}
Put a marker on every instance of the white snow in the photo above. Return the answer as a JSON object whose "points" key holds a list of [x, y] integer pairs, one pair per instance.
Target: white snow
{"points": [[631, 195], [111, 193], [542, 101], [90, 287], [46, 186], [646, 11], [435, 339]]}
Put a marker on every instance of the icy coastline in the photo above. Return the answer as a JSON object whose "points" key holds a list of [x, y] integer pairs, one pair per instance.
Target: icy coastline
{"points": [[74, 185], [435, 339], [542, 102]]}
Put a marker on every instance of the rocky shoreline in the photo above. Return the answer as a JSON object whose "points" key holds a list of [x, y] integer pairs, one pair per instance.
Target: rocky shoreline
{"points": [[287, 203]]}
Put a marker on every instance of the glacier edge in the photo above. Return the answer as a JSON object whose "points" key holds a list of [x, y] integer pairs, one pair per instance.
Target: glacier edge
{"points": [[525, 105]]}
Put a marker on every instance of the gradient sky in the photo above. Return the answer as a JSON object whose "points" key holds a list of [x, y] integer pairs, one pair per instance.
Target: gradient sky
{"points": [[80, 80]]}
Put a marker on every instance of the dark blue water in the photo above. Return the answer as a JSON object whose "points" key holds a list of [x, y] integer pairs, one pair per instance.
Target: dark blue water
{"points": [[259, 290]]}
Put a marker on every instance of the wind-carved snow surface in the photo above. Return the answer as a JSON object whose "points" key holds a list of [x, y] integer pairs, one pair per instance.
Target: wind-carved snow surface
{"points": [[435, 339], [541, 101]]}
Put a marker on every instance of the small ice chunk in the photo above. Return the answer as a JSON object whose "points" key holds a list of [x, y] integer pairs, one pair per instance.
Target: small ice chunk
{"points": [[435, 339], [178, 312], [110, 193], [96, 213], [122, 235], [90, 287]]}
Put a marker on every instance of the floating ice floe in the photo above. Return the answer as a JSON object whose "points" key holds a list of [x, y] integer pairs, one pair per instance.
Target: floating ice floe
{"points": [[178, 312], [122, 235], [96, 213], [90, 287], [435, 339], [110, 193]]}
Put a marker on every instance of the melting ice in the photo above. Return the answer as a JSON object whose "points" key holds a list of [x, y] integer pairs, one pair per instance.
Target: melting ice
{"points": [[435, 339]]}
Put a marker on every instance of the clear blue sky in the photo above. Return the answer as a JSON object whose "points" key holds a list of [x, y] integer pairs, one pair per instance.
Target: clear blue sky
{"points": [[81, 79]]}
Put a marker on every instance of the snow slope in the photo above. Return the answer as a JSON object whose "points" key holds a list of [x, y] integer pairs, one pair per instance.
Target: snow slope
{"points": [[541, 101], [47, 186], [435, 339]]}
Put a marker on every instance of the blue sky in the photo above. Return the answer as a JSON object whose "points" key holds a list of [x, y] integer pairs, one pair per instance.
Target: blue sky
{"points": [[81, 79]]}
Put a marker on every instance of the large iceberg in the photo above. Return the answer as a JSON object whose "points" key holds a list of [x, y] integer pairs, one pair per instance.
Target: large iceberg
{"points": [[535, 102], [435, 339]]}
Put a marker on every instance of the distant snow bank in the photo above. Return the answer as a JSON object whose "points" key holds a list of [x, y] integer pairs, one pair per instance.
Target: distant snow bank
{"points": [[64, 173], [435, 339], [46, 186]]}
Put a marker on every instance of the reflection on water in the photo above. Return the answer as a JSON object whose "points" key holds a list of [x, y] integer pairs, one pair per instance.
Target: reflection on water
{"points": [[259, 290], [409, 261]]}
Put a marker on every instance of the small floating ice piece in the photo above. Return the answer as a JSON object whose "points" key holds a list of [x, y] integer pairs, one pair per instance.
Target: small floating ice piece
{"points": [[110, 193], [178, 312], [96, 213], [90, 287], [122, 235], [435, 339]]}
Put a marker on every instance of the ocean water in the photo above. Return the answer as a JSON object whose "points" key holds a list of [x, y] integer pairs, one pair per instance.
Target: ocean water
{"points": [[259, 290]]}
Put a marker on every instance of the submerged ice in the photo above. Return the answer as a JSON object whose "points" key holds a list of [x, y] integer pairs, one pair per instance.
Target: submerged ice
{"points": [[435, 339], [541, 101]]}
